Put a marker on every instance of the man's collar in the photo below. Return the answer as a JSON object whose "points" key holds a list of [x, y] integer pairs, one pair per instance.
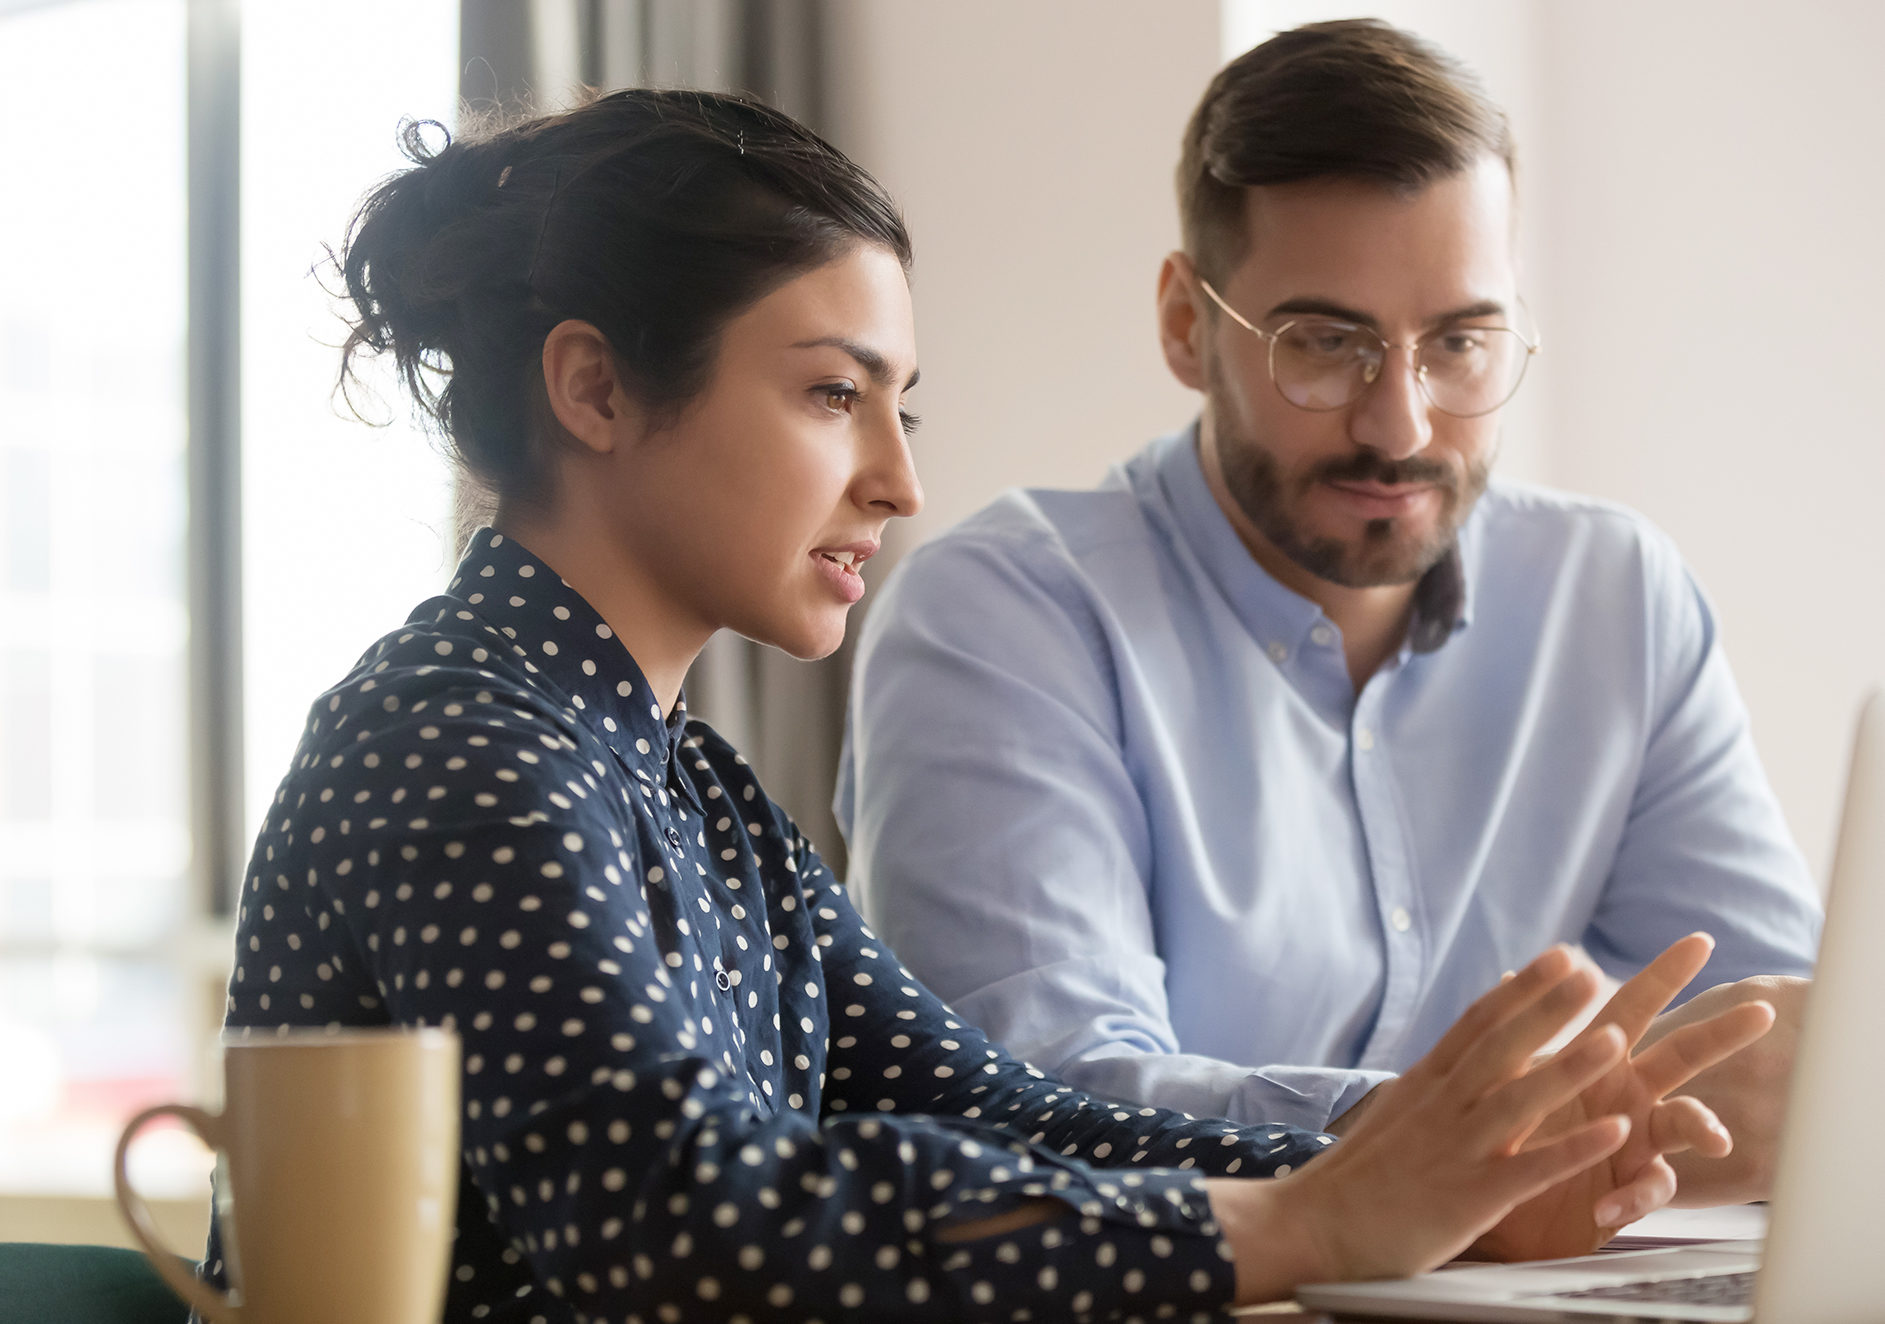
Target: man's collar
{"points": [[1439, 603]]}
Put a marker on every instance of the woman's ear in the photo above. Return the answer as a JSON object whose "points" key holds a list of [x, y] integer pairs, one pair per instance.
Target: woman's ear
{"points": [[1180, 323], [584, 387]]}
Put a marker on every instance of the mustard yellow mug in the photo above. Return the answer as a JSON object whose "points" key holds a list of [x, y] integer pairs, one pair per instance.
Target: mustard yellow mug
{"points": [[339, 1159]]}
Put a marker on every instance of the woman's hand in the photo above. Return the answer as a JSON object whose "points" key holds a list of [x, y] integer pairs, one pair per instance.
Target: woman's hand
{"points": [[1479, 1136], [1580, 1214]]}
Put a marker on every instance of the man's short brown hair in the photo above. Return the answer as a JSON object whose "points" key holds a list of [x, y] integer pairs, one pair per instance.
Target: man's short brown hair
{"points": [[1353, 99]]}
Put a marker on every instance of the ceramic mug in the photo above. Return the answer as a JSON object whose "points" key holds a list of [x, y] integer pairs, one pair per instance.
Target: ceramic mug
{"points": [[339, 1155]]}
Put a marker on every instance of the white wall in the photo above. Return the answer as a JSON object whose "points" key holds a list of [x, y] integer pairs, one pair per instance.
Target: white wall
{"points": [[1031, 143], [1716, 306]]}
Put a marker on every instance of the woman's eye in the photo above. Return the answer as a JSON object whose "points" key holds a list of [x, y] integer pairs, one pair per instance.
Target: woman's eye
{"points": [[838, 399]]}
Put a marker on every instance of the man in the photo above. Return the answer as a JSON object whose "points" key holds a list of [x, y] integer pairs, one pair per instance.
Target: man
{"points": [[1228, 785]]}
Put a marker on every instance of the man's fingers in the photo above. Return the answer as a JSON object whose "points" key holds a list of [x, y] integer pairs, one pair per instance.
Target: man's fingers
{"points": [[1497, 1006], [1682, 1054], [1641, 999], [1645, 1193], [1688, 1123]]}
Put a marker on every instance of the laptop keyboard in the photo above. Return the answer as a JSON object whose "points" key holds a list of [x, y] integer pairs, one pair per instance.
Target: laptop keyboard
{"points": [[1716, 1289]]}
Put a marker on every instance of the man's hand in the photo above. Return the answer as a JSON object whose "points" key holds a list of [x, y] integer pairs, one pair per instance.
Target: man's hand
{"points": [[1580, 1214], [1748, 1092]]}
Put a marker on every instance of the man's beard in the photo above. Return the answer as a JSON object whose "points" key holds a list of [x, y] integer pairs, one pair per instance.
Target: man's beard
{"points": [[1387, 551]]}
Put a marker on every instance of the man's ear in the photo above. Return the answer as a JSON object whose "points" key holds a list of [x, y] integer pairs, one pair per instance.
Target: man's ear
{"points": [[584, 388], [1181, 322]]}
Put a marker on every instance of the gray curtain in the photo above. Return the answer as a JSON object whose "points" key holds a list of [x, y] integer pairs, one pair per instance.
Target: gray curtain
{"points": [[786, 716]]}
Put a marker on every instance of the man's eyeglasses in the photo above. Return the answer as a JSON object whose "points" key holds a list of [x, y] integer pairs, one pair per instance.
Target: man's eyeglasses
{"points": [[1320, 364]]}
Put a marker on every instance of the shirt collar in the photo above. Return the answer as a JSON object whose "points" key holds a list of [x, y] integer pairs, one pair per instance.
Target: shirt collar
{"points": [[1273, 613], [565, 645]]}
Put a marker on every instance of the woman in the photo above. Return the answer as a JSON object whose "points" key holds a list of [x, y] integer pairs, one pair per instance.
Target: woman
{"points": [[672, 333]]}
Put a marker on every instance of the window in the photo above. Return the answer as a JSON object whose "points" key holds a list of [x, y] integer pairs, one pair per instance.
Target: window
{"points": [[327, 502], [94, 839], [111, 962]]}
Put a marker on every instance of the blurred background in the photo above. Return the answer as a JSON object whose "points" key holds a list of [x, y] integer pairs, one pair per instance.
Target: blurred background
{"points": [[195, 540]]}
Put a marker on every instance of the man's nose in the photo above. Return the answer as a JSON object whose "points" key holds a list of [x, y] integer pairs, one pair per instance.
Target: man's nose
{"points": [[1393, 416]]}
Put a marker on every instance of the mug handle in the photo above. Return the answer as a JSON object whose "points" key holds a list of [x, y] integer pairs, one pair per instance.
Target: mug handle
{"points": [[204, 1299]]}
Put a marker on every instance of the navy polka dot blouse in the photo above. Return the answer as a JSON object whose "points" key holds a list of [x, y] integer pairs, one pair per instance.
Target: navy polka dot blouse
{"points": [[696, 1085]]}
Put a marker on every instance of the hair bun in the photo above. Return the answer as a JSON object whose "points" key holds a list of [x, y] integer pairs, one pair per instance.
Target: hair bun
{"points": [[654, 216]]}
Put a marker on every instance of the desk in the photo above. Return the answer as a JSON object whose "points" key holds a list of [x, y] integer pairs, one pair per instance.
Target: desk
{"points": [[94, 1220]]}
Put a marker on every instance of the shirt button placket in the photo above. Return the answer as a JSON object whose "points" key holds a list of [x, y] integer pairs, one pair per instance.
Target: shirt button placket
{"points": [[1388, 855]]}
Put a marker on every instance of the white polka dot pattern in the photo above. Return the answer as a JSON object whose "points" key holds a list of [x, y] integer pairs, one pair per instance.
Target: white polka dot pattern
{"points": [[696, 1085]]}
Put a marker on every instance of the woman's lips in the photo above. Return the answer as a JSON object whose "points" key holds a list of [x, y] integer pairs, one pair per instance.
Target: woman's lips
{"points": [[840, 573]]}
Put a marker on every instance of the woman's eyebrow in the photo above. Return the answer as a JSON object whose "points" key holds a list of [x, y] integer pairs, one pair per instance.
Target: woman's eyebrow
{"points": [[875, 365]]}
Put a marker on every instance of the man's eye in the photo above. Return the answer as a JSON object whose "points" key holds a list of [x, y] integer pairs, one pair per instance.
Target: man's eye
{"points": [[1324, 340]]}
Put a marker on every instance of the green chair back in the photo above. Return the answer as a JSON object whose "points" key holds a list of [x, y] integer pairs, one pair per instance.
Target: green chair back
{"points": [[83, 1285]]}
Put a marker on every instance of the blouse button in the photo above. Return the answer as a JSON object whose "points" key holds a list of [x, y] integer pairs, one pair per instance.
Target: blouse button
{"points": [[722, 980], [674, 838]]}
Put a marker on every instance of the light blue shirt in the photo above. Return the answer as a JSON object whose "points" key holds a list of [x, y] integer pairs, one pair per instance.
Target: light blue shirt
{"points": [[1110, 791]]}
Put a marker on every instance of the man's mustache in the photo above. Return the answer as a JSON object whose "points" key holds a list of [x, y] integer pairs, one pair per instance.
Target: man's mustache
{"points": [[1365, 466]]}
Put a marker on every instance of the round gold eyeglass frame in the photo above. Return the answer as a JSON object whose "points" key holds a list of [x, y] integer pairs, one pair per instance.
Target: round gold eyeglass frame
{"points": [[1270, 339]]}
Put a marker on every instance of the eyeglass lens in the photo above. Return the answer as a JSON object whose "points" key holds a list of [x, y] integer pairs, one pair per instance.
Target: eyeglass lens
{"points": [[1464, 370]]}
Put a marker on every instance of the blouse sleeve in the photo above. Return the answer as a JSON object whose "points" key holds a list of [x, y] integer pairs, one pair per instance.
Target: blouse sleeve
{"points": [[478, 876]]}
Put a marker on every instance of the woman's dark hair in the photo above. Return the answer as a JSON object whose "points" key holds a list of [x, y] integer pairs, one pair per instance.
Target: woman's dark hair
{"points": [[1354, 99], [656, 216]]}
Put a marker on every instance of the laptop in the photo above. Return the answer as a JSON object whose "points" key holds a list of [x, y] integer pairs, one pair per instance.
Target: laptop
{"points": [[1824, 1257]]}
